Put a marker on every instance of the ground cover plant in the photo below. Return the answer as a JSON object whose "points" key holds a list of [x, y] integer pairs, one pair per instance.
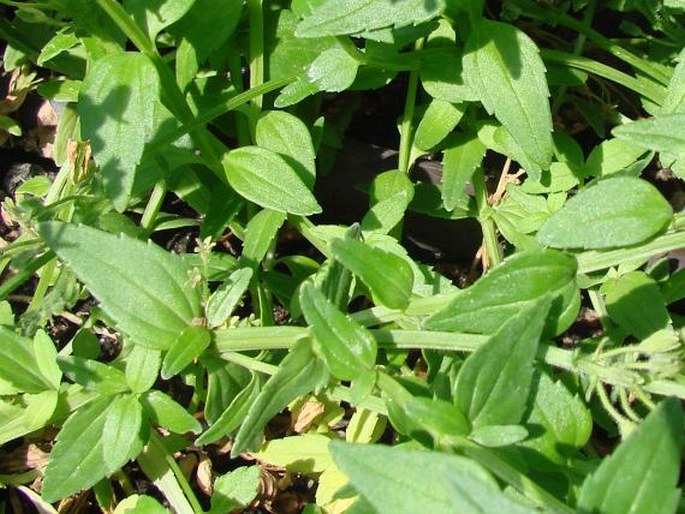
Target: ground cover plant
{"points": [[324, 256]]}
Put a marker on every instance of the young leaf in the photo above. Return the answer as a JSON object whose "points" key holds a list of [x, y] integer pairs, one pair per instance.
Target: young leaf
{"points": [[346, 347], [618, 211], [117, 105], [508, 288], [93, 375], [77, 459], [121, 436], [460, 160], [437, 122], [493, 385], [396, 480], [503, 67], [335, 18], [439, 418], [288, 136], [299, 373], [235, 490], [225, 299], [266, 179], [19, 365], [388, 277], [652, 454], [142, 368], [153, 17], [259, 235], [168, 414], [190, 344], [144, 289]]}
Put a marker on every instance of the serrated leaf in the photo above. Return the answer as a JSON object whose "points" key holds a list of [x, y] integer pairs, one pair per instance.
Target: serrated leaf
{"points": [[93, 375], [503, 67], [121, 436], [116, 107], [264, 178], [460, 160], [652, 455], [298, 374], [508, 288], [168, 414], [144, 289], [19, 364], [437, 122], [225, 299], [346, 347], [388, 277], [618, 211], [335, 18], [77, 459], [563, 422], [287, 135], [396, 480], [188, 346], [493, 384], [153, 17]]}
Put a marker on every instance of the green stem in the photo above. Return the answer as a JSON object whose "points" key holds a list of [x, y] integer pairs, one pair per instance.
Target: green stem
{"points": [[406, 128], [46, 278], [152, 208], [256, 15], [487, 225]]}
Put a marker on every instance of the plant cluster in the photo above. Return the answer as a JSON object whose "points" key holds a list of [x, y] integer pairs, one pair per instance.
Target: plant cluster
{"points": [[209, 292]]}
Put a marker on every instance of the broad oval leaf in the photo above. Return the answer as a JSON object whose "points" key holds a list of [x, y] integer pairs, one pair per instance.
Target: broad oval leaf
{"points": [[117, 110], [144, 289], [494, 382], [264, 178], [190, 344], [503, 67], [388, 277], [346, 347], [506, 289], [652, 456], [618, 211]]}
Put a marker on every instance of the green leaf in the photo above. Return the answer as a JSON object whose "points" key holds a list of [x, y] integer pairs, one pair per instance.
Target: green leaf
{"points": [[665, 133], [337, 281], [306, 453], [93, 375], [635, 303], [442, 420], [474, 496], [503, 67], [510, 287], [388, 277], [652, 455], [346, 347], [335, 18], [19, 364], [611, 156], [493, 384], [190, 344], [618, 211], [60, 42], [266, 179], [139, 504], [142, 368], [494, 436], [144, 289], [288, 136], [334, 70], [168, 414], [117, 105], [235, 490], [34, 415], [461, 158], [298, 374], [396, 480], [153, 17], [225, 299], [562, 421], [437, 122], [121, 436], [77, 460], [259, 236], [675, 94]]}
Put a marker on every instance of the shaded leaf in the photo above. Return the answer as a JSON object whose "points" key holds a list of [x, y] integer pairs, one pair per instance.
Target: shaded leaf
{"points": [[460, 160], [19, 364], [93, 375]]}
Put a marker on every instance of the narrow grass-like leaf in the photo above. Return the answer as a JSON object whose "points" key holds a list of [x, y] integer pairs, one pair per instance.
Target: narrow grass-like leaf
{"points": [[189, 345], [503, 67], [116, 107], [388, 277], [618, 211], [266, 179], [346, 347], [225, 299], [642, 473], [145, 290], [334, 18], [396, 480], [93, 375], [507, 289], [168, 414], [493, 385], [300, 373]]}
